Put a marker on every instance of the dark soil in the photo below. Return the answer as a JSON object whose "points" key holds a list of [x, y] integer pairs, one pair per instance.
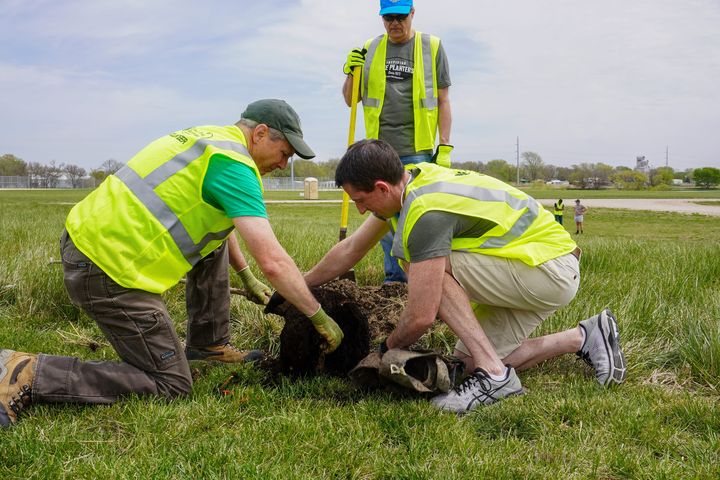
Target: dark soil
{"points": [[366, 315]]}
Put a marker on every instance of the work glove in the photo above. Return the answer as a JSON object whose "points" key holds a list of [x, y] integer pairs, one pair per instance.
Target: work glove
{"points": [[275, 301], [327, 327], [442, 155], [257, 291], [356, 58]]}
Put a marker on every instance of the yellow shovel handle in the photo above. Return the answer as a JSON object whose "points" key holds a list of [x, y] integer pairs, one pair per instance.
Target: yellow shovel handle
{"points": [[351, 139]]}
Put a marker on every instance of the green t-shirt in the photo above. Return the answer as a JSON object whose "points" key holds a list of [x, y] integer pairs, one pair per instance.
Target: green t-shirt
{"points": [[232, 186]]}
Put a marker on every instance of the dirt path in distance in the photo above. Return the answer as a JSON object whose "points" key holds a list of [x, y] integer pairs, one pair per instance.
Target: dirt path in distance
{"points": [[679, 205]]}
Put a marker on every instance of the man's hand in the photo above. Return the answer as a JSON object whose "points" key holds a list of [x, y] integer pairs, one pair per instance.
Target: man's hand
{"points": [[257, 291], [442, 155], [356, 58], [327, 327]]}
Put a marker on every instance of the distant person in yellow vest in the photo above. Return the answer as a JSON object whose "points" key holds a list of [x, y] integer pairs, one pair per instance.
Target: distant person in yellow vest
{"points": [[404, 91], [558, 211], [170, 212], [580, 211], [485, 257]]}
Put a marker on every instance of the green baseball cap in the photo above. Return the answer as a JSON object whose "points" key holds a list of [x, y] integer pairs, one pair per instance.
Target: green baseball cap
{"points": [[279, 115]]}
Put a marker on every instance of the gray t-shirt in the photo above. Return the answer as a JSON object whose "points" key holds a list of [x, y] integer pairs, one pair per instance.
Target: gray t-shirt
{"points": [[396, 118], [432, 235]]}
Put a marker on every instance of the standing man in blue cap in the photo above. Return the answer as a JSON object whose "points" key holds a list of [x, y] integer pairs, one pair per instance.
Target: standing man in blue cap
{"points": [[404, 91]]}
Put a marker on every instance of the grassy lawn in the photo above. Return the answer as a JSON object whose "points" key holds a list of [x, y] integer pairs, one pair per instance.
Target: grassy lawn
{"points": [[659, 272]]}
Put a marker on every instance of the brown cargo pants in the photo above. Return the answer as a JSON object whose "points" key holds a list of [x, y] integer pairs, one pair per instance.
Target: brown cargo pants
{"points": [[139, 328]]}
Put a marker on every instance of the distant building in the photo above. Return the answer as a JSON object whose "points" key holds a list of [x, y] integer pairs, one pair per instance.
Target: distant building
{"points": [[642, 165]]}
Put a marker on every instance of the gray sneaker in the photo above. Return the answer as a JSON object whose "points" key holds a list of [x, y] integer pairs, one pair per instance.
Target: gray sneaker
{"points": [[478, 389], [601, 349]]}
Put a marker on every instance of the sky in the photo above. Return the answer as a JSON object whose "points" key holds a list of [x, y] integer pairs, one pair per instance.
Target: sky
{"points": [[576, 81]]}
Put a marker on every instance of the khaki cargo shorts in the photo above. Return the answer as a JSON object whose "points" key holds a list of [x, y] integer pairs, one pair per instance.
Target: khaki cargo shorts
{"points": [[510, 299]]}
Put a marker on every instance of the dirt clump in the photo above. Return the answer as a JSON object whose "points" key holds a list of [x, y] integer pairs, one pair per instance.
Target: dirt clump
{"points": [[365, 314]]}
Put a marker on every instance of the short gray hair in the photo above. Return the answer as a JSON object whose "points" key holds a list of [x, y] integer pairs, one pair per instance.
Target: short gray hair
{"points": [[251, 124]]}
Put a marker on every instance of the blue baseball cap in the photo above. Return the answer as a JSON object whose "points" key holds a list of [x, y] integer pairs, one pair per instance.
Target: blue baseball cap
{"points": [[395, 6]]}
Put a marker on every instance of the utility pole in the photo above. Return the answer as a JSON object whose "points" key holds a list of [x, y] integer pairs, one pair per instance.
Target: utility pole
{"points": [[517, 159], [292, 173], [666, 155]]}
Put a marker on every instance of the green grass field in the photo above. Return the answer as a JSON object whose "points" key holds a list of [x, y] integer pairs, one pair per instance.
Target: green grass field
{"points": [[659, 272]]}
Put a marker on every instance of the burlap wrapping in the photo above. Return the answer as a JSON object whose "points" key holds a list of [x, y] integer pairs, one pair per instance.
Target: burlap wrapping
{"points": [[423, 371]]}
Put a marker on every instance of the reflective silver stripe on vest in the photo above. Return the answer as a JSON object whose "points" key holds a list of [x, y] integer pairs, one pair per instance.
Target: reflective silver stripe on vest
{"points": [[477, 193], [369, 56], [430, 100], [184, 158], [144, 190]]}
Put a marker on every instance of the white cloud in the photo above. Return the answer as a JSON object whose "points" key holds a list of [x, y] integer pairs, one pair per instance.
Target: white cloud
{"points": [[577, 81]]}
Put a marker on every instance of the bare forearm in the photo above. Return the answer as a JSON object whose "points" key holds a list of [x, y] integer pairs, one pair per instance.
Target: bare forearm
{"points": [[444, 116], [237, 259], [347, 253], [285, 277], [409, 329], [274, 262], [424, 294], [336, 262], [347, 90]]}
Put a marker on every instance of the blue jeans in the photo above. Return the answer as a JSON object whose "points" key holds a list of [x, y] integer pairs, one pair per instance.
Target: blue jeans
{"points": [[393, 272]]}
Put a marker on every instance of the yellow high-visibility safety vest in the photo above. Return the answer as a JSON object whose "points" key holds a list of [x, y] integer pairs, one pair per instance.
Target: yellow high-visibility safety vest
{"points": [[147, 225], [558, 208], [524, 229], [425, 91]]}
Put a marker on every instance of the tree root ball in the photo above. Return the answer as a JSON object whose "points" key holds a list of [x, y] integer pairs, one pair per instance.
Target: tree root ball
{"points": [[366, 315]]}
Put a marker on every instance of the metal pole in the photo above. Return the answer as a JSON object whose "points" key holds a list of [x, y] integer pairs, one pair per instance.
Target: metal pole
{"points": [[517, 160]]}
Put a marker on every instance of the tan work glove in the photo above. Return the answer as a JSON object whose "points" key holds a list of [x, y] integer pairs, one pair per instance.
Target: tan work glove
{"points": [[327, 327], [257, 291]]}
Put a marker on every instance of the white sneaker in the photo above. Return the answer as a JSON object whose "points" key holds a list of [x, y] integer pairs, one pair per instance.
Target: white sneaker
{"points": [[478, 389], [601, 349]]}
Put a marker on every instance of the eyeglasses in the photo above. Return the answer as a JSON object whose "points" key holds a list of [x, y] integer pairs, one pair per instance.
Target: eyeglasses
{"points": [[392, 18]]}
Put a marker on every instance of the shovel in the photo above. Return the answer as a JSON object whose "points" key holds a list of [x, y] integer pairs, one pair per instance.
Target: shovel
{"points": [[350, 274]]}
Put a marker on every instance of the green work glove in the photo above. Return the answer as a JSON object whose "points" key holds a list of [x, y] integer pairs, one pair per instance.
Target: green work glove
{"points": [[442, 155], [327, 327], [257, 291], [356, 58]]}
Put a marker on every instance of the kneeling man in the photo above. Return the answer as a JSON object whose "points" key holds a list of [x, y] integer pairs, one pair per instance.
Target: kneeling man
{"points": [[485, 257]]}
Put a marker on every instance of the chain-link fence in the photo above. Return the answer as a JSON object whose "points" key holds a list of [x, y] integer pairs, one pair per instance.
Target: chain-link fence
{"points": [[287, 183], [270, 183], [14, 182]]}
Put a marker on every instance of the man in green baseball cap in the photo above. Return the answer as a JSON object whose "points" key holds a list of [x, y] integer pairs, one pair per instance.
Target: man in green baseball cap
{"points": [[279, 115], [170, 213]]}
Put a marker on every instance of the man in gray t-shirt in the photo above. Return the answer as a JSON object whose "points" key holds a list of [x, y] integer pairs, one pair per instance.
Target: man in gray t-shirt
{"points": [[396, 118], [396, 122]]}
